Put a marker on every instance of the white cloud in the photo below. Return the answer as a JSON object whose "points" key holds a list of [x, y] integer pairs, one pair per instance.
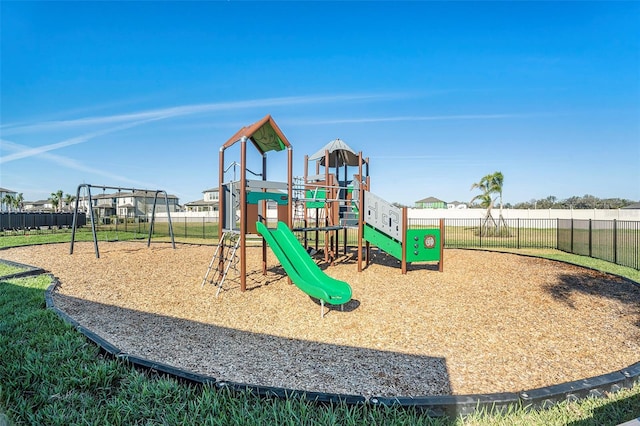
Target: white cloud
{"points": [[184, 110], [412, 118], [26, 152], [72, 164]]}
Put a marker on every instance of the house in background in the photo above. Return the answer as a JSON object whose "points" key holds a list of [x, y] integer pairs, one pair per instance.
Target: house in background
{"points": [[38, 206], [4, 192], [430, 203], [456, 205], [127, 204], [209, 202]]}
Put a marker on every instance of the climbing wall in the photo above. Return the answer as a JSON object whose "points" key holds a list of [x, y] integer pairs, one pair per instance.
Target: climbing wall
{"points": [[383, 216]]}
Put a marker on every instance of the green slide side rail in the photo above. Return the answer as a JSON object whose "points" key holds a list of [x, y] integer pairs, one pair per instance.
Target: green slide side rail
{"points": [[304, 273]]}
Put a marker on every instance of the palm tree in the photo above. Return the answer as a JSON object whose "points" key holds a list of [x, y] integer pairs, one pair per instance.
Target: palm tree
{"points": [[7, 200], [497, 181], [56, 198], [489, 185], [17, 201], [68, 199]]}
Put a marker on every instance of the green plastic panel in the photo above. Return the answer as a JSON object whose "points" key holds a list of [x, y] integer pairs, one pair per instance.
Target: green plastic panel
{"points": [[266, 139], [320, 194], [383, 241], [423, 245], [254, 197]]}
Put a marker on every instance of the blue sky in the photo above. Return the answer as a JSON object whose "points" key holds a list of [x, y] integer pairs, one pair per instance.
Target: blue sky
{"points": [[436, 94]]}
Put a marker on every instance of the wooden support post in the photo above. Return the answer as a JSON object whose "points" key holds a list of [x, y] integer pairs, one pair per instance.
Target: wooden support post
{"points": [[305, 213], [404, 240], [289, 194], [243, 214], [368, 188], [290, 187], [327, 211], [264, 211], [221, 208], [360, 211], [441, 262]]}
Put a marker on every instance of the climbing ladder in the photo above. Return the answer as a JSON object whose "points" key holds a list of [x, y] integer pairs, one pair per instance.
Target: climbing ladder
{"points": [[230, 240]]}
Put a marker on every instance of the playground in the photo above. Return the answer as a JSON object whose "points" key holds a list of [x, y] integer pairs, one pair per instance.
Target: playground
{"points": [[491, 322], [292, 304]]}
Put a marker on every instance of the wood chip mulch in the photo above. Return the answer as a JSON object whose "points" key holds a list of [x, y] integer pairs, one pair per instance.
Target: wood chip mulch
{"points": [[491, 322]]}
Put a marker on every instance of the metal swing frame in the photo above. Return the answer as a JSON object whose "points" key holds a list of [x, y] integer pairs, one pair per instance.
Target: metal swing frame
{"points": [[119, 189]]}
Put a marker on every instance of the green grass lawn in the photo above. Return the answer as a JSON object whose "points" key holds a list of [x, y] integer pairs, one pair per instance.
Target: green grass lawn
{"points": [[51, 375], [6, 269]]}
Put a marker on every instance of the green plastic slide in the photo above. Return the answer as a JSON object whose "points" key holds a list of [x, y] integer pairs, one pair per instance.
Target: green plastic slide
{"points": [[304, 272]]}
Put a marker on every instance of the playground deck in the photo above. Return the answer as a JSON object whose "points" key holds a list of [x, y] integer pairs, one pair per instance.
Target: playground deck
{"points": [[489, 323]]}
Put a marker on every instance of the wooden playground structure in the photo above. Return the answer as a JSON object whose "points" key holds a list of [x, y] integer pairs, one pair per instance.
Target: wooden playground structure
{"points": [[327, 202]]}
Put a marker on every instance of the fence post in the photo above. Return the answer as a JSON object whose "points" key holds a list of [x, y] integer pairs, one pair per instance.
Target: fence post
{"points": [[615, 241], [480, 233], [572, 235], [518, 234], [590, 238], [203, 222]]}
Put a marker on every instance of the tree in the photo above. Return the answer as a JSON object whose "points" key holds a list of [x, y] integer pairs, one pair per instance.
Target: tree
{"points": [[56, 199], [489, 185], [497, 181], [68, 199], [7, 200], [17, 201]]}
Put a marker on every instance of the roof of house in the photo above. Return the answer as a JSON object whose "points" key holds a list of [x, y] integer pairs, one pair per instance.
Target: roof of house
{"points": [[7, 190], [139, 194], [201, 203], [430, 200], [633, 206]]}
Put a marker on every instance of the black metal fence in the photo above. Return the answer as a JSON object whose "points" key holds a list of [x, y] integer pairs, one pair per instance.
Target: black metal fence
{"points": [[13, 221], [615, 241], [506, 233]]}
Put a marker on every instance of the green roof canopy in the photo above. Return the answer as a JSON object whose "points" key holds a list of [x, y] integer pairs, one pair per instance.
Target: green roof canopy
{"points": [[264, 134]]}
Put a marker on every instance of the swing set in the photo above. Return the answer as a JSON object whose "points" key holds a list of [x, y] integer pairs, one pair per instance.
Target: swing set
{"points": [[90, 207]]}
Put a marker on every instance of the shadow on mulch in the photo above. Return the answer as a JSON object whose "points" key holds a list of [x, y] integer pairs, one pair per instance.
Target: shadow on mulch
{"points": [[596, 284], [350, 306], [259, 359]]}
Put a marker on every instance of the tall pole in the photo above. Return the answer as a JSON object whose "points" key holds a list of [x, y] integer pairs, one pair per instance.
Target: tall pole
{"points": [[290, 186], [346, 209], [404, 240], [221, 210], [243, 214], [317, 209], [75, 220], [327, 210], [264, 211], [305, 213], [368, 180], [441, 263], [360, 211], [166, 204]]}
